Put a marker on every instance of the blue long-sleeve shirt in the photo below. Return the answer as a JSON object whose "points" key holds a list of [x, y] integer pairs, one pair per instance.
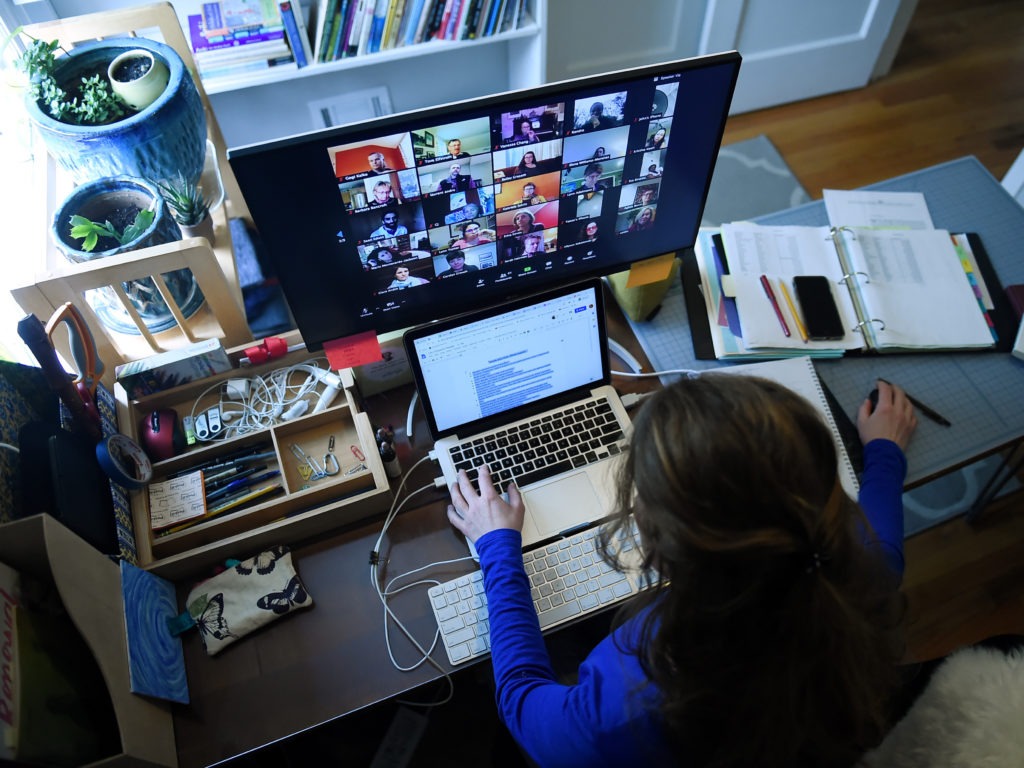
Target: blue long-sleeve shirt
{"points": [[610, 716]]}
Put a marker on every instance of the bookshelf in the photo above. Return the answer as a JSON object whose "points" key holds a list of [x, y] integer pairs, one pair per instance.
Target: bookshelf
{"points": [[415, 77], [529, 72]]}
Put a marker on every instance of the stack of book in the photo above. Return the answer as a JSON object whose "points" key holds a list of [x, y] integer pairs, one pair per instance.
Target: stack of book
{"points": [[233, 38], [347, 28]]}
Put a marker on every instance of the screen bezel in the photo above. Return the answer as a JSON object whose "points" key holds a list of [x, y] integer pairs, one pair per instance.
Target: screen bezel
{"points": [[313, 279]]}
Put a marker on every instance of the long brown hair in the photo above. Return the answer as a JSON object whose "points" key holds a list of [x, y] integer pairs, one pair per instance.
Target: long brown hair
{"points": [[772, 631]]}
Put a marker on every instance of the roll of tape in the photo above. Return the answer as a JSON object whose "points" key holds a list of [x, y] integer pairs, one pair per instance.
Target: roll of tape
{"points": [[124, 461]]}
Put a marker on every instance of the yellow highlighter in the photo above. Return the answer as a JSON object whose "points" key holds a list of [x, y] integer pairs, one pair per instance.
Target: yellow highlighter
{"points": [[792, 309]]}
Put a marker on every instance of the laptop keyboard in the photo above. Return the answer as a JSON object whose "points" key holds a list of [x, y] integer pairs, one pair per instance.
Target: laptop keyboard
{"points": [[545, 446], [568, 579]]}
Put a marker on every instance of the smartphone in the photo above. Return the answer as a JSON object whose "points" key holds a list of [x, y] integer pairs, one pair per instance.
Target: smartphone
{"points": [[818, 306]]}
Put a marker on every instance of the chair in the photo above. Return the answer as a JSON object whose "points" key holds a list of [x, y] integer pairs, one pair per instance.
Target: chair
{"points": [[969, 714], [58, 281]]}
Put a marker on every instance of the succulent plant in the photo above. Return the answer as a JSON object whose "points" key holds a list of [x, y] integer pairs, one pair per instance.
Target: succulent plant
{"points": [[185, 199]]}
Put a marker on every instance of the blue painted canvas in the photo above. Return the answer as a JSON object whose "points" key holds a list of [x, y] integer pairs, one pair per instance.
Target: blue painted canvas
{"points": [[156, 661]]}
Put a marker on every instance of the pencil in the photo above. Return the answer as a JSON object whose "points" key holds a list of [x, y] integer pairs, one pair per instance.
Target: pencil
{"points": [[792, 308]]}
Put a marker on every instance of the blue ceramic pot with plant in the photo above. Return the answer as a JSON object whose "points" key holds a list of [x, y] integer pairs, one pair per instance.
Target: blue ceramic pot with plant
{"points": [[163, 140], [132, 210]]}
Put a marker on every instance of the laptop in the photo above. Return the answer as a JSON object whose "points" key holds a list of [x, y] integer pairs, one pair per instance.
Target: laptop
{"points": [[525, 387]]}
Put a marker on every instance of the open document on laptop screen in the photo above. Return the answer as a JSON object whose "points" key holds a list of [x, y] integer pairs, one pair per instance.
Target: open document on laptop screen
{"points": [[477, 369]]}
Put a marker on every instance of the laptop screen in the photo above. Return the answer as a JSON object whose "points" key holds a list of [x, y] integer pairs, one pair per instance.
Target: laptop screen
{"points": [[503, 363]]}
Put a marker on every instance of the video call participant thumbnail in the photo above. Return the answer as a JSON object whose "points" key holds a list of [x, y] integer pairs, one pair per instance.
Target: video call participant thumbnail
{"points": [[531, 126], [601, 113], [456, 265], [403, 278], [384, 155]]}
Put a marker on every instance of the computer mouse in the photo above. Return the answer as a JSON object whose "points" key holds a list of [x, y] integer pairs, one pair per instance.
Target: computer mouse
{"points": [[161, 435], [873, 397]]}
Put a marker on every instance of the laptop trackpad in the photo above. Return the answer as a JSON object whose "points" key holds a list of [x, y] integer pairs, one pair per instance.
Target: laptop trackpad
{"points": [[562, 504]]}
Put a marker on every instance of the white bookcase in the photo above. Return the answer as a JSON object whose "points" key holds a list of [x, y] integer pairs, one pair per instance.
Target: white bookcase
{"points": [[269, 105]]}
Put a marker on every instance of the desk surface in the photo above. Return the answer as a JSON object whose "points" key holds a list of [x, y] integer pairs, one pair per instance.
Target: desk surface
{"points": [[980, 393], [321, 664]]}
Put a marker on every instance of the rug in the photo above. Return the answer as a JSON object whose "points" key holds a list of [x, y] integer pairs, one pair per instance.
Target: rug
{"points": [[752, 179]]}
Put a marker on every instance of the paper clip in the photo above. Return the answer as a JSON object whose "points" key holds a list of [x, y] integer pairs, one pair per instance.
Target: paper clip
{"points": [[316, 471], [331, 465], [357, 452]]}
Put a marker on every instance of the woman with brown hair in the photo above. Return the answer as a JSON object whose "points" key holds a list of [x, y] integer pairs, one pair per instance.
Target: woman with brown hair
{"points": [[771, 634]]}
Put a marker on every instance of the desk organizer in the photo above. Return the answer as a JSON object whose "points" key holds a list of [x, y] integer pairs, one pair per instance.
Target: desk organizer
{"points": [[305, 507]]}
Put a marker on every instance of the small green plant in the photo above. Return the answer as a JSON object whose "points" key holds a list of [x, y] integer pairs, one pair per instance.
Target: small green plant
{"points": [[90, 231], [185, 199], [92, 103]]}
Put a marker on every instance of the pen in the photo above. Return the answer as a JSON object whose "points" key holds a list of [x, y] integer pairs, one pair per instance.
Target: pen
{"points": [[221, 494], [935, 416], [240, 480], [792, 308], [225, 506], [775, 303]]}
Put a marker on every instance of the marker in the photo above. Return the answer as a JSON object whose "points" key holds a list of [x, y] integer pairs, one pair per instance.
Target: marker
{"points": [[775, 304], [792, 308], [935, 416]]}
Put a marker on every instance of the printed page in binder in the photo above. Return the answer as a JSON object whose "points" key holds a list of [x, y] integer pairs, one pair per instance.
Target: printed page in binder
{"points": [[799, 375], [886, 283]]}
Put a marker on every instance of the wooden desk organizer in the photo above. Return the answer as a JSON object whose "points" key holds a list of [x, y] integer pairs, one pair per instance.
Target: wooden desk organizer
{"points": [[304, 509]]}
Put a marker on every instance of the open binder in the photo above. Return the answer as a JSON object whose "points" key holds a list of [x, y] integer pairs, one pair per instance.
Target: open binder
{"points": [[896, 290]]}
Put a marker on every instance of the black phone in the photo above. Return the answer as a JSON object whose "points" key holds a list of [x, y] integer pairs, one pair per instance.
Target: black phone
{"points": [[818, 306]]}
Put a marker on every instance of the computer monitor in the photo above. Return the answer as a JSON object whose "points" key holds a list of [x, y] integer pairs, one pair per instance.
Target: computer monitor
{"points": [[385, 224]]}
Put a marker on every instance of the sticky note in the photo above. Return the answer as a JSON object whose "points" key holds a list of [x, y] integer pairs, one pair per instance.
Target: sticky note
{"points": [[350, 351], [650, 270]]}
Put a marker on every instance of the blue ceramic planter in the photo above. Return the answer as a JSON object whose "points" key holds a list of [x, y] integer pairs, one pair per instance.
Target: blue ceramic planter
{"points": [[166, 138], [95, 201]]}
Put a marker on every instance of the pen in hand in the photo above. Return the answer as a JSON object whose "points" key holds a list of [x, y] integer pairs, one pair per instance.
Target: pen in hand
{"points": [[932, 414]]}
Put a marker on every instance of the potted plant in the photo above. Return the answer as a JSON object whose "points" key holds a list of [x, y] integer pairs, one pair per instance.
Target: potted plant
{"points": [[93, 133], [189, 208], [138, 78], [114, 215]]}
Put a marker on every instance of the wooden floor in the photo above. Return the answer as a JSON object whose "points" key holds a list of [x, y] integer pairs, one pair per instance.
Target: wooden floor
{"points": [[955, 89]]}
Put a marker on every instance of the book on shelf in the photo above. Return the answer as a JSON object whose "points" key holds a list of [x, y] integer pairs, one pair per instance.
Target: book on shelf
{"points": [[238, 73], [886, 284], [204, 43], [295, 32]]}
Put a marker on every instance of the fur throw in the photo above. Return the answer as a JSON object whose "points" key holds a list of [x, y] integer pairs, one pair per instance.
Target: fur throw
{"points": [[970, 715]]}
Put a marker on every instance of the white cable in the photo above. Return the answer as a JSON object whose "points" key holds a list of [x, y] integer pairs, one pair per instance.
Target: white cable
{"points": [[408, 415], [383, 594], [624, 355], [688, 372]]}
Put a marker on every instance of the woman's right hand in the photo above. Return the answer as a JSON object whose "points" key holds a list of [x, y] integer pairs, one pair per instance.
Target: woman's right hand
{"points": [[893, 418]]}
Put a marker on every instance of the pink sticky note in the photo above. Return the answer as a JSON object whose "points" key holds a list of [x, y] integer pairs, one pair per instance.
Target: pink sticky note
{"points": [[350, 351]]}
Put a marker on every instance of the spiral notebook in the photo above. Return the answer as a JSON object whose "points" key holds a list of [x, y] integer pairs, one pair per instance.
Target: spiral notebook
{"points": [[799, 375], [887, 285]]}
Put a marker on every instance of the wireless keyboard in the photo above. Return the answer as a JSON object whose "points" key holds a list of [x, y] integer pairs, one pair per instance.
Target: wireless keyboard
{"points": [[568, 579]]}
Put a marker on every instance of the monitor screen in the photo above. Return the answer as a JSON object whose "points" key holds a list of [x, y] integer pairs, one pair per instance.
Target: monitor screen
{"points": [[381, 225]]}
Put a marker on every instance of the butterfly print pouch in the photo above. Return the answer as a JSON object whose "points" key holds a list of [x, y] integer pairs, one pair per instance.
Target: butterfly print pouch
{"points": [[243, 598]]}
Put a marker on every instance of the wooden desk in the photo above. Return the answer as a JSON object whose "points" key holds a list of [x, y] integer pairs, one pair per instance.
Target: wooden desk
{"points": [[324, 663]]}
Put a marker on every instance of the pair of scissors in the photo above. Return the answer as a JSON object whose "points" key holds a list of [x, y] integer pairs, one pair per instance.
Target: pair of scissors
{"points": [[83, 349]]}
